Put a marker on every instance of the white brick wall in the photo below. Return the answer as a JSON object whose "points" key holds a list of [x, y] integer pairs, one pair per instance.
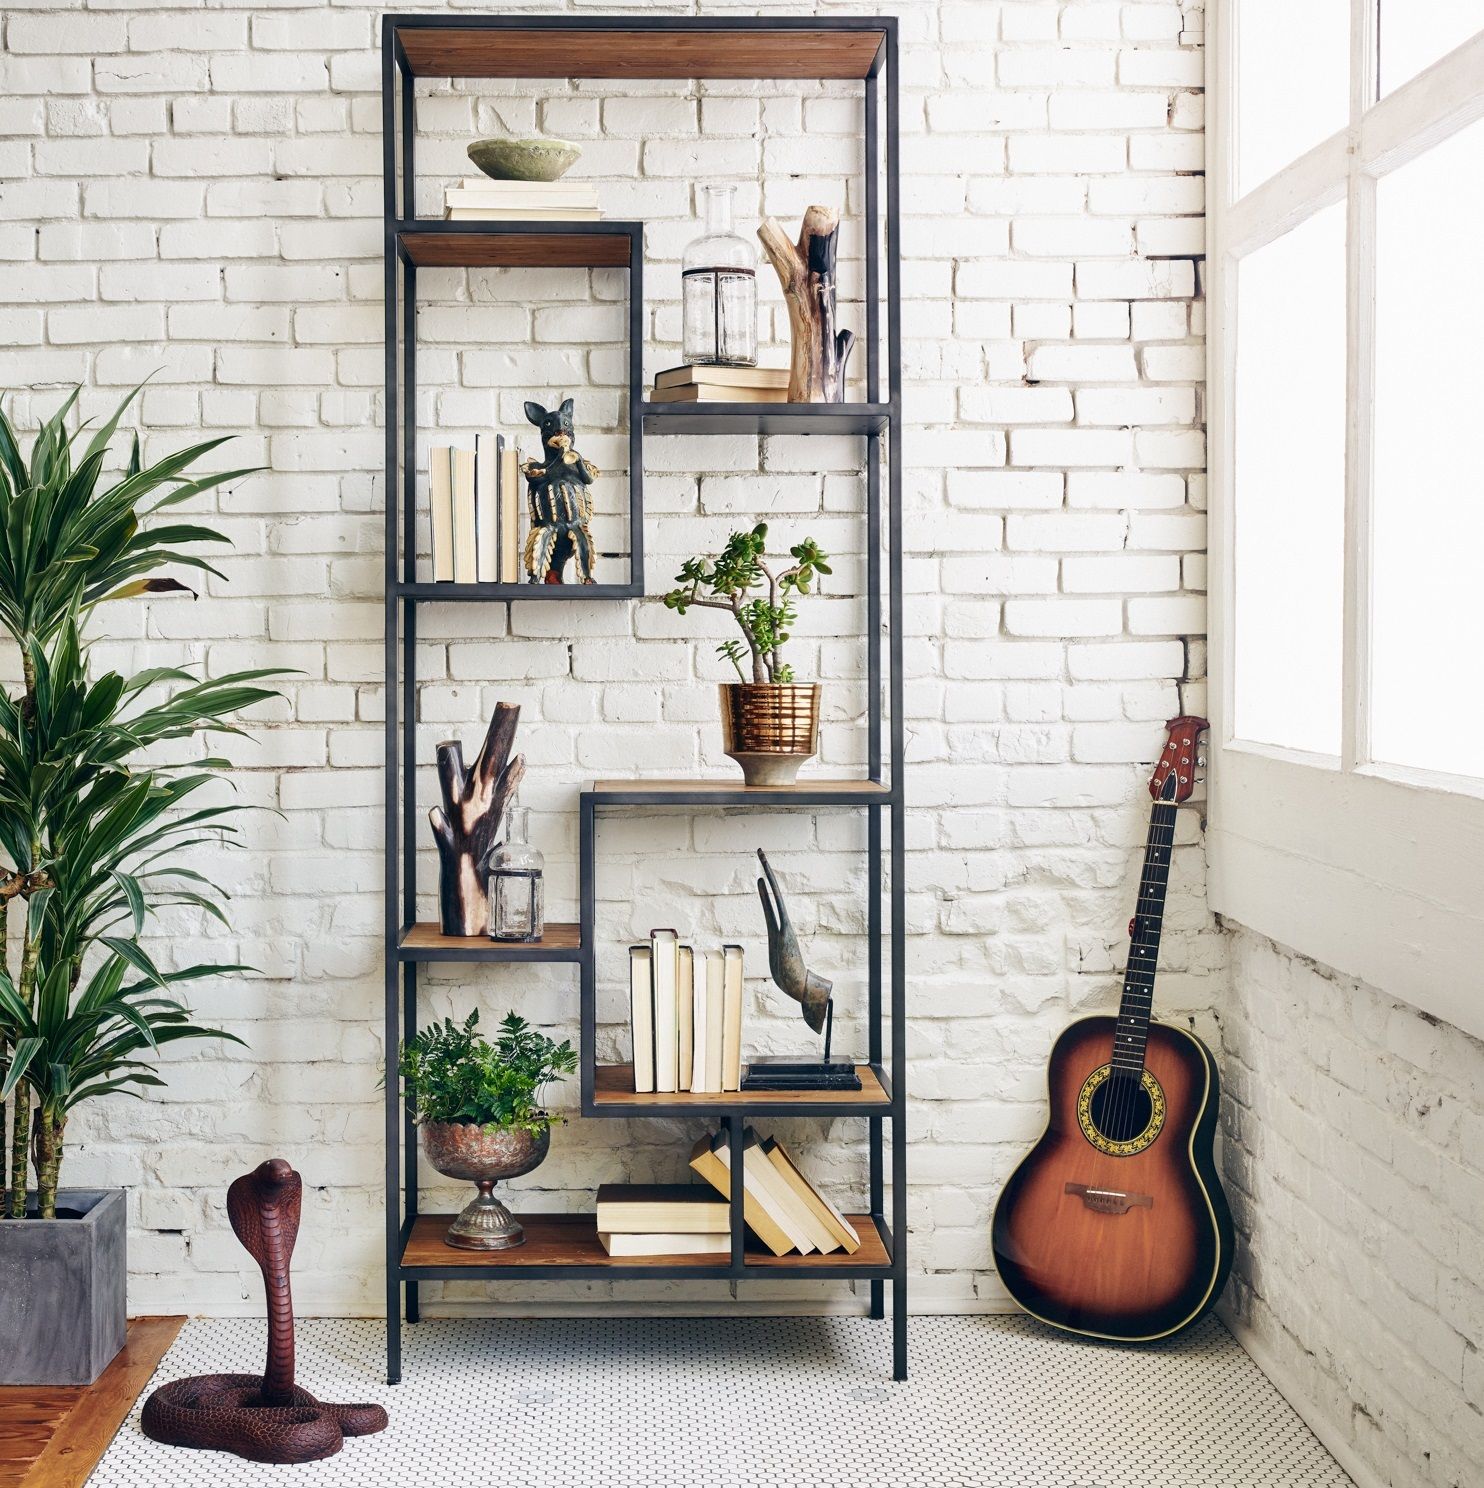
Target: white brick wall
{"points": [[195, 193], [1353, 1126]]}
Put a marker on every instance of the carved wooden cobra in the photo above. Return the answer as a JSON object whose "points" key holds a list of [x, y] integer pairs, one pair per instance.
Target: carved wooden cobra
{"points": [[269, 1419]]}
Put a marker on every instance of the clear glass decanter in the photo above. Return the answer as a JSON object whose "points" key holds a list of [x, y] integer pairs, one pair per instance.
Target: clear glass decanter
{"points": [[515, 881], [719, 287]]}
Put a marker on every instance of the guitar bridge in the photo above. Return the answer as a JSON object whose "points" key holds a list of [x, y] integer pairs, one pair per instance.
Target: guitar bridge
{"points": [[1109, 1200]]}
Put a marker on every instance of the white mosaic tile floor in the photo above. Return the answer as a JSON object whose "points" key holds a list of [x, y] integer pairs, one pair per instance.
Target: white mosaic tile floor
{"points": [[993, 1402]]}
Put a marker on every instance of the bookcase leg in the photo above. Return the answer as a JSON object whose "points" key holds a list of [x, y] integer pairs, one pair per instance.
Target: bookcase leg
{"points": [[899, 1330], [414, 1303], [394, 1337], [878, 1300]]}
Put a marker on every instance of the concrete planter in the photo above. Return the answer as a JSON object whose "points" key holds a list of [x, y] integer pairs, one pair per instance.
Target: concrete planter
{"points": [[62, 1290]]}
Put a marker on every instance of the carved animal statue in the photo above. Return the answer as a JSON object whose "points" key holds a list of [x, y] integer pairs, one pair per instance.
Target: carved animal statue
{"points": [[561, 504], [785, 960], [268, 1419]]}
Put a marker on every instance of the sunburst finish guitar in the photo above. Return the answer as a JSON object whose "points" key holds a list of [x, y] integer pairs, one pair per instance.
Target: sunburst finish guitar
{"points": [[1115, 1225]]}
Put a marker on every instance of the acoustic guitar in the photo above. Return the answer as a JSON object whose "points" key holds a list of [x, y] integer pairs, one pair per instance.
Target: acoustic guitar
{"points": [[1115, 1225]]}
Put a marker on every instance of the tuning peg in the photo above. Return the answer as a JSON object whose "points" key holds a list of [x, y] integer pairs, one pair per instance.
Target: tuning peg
{"points": [[1200, 779]]}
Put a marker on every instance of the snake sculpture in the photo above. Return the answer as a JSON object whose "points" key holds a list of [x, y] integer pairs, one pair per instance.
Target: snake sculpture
{"points": [[267, 1419]]}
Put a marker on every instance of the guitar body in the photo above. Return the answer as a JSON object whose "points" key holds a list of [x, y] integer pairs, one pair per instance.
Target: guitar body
{"points": [[1115, 1225]]}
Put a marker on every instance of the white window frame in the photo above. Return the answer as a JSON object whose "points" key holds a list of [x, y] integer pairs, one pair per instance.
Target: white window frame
{"points": [[1374, 870]]}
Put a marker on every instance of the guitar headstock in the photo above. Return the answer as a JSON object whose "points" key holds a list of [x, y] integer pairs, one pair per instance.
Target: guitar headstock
{"points": [[1174, 773]]}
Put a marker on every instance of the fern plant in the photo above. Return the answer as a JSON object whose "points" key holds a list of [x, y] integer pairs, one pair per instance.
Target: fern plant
{"points": [[452, 1073], [93, 834], [728, 582]]}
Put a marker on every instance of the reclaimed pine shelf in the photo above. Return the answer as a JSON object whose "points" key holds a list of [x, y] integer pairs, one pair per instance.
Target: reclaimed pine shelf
{"points": [[863, 49], [765, 418], [561, 1243], [426, 942], [614, 1095], [694, 792]]}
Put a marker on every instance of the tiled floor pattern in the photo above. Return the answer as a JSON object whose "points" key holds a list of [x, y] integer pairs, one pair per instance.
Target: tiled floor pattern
{"points": [[993, 1402]]}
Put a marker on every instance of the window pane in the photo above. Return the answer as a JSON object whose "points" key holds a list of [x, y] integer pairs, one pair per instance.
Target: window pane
{"points": [[1415, 33], [1290, 486], [1293, 81], [1427, 587]]}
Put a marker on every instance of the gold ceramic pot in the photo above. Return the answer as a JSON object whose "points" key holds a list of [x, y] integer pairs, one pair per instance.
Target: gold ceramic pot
{"points": [[770, 728], [483, 1155]]}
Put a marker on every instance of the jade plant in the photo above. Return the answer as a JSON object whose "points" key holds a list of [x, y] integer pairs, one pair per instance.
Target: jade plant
{"points": [[452, 1073], [99, 775], [731, 581]]}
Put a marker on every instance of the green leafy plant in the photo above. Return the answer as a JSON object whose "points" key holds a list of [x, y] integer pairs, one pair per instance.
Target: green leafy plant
{"points": [[729, 580], [451, 1072], [92, 832]]}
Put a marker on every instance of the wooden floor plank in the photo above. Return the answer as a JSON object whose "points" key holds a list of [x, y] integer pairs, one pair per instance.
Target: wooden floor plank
{"points": [[54, 1437]]}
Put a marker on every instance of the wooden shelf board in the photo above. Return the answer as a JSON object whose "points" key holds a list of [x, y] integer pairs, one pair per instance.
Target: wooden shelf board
{"points": [[574, 245], [559, 1240], [613, 1087], [444, 592], [426, 942], [617, 50], [736, 793], [765, 418]]}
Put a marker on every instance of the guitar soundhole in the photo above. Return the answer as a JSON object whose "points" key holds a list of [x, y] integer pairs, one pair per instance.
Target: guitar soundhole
{"points": [[1121, 1108]]}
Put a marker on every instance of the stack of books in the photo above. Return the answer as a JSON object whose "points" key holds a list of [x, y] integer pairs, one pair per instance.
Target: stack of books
{"points": [[479, 199], [697, 384], [638, 1219], [685, 1015], [779, 1204], [474, 500]]}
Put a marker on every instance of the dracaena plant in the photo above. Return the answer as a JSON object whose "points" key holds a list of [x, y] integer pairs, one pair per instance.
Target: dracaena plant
{"points": [[94, 814], [732, 580]]}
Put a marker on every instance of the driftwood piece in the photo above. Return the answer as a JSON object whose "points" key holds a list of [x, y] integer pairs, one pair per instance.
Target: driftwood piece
{"points": [[465, 826], [806, 270]]}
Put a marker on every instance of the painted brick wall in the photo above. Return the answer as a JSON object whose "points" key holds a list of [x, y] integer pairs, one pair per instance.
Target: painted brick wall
{"points": [[1353, 1127], [195, 193]]}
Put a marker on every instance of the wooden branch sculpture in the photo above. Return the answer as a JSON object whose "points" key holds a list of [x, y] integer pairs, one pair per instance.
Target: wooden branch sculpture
{"points": [[465, 827], [806, 270]]}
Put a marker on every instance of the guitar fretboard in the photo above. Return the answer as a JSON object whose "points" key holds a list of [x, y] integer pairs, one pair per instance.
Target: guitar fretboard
{"points": [[1131, 1034]]}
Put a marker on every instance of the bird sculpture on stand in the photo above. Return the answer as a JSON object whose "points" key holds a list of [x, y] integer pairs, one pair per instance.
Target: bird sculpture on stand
{"points": [[807, 988]]}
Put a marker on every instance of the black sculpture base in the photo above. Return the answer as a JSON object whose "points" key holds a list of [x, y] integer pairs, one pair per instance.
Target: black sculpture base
{"points": [[784, 1072]]}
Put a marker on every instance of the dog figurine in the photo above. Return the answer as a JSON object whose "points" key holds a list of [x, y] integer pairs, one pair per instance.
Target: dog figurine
{"points": [[561, 502]]}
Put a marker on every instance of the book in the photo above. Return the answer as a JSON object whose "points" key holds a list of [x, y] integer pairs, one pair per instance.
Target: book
{"points": [[648, 1208], [641, 1017], [510, 516], [465, 548], [440, 509], [736, 377], [685, 1015], [731, 1018], [525, 193], [715, 1017], [807, 1232], [521, 214], [488, 452], [715, 1167], [698, 1022], [708, 392], [665, 946], [664, 1244], [843, 1232]]}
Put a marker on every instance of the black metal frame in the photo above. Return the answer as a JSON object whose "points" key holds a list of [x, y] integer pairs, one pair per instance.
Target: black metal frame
{"points": [[886, 910]]}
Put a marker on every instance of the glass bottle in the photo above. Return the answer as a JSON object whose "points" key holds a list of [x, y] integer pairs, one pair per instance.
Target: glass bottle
{"points": [[516, 883], [719, 289]]}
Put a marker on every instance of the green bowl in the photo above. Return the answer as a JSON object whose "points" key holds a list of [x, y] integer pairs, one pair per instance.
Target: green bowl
{"points": [[524, 159]]}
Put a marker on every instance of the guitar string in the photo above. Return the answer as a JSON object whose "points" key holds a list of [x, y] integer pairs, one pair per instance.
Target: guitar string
{"points": [[1148, 927]]}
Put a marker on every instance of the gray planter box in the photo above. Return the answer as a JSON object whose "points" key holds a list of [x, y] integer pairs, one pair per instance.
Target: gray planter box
{"points": [[62, 1291]]}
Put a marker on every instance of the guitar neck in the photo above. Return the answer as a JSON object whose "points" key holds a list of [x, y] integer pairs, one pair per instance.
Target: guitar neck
{"points": [[1132, 1033]]}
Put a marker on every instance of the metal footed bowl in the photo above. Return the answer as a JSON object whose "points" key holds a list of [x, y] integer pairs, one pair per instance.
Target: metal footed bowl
{"points": [[483, 1155]]}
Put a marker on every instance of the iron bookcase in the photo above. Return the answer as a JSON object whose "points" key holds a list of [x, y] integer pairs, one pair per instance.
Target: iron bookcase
{"points": [[565, 1247]]}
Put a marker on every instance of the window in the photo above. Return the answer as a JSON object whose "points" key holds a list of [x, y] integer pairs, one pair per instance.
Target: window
{"points": [[1347, 486]]}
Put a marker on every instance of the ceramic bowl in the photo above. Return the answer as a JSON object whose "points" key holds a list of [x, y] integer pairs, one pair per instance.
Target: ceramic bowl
{"points": [[524, 159]]}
